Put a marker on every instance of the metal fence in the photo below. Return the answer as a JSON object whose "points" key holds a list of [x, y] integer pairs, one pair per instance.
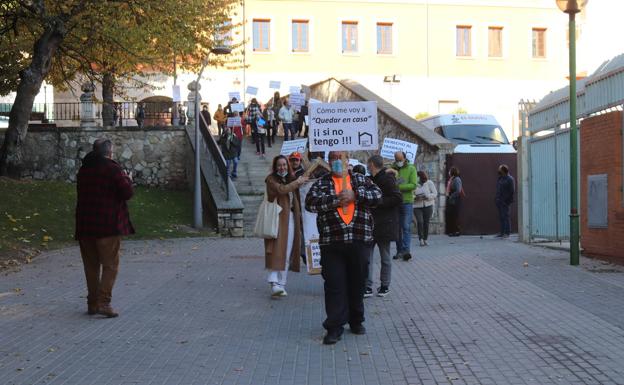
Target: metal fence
{"points": [[549, 146], [156, 113]]}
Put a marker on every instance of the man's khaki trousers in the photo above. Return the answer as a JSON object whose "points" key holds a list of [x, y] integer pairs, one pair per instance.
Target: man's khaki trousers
{"points": [[100, 257]]}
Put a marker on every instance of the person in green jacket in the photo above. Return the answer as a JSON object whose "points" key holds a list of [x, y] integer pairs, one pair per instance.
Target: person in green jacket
{"points": [[407, 180]]}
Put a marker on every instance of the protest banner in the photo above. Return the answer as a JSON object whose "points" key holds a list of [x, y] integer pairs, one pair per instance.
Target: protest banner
{"points": [[234, 122], [291, 146], [345, 126], [296, 100], [176, 94], [390, 146], [275, 84], [252, 90], [310, 233], [234, 95], [238, 107], [294, 89]]}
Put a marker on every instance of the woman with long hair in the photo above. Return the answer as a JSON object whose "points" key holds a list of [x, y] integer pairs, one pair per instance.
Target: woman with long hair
{"points": [[454, 195], [282, 253], [424, 199]]}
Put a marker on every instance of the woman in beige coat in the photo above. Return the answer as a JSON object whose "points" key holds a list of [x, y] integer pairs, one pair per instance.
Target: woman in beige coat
{"points": [[282, 253]]}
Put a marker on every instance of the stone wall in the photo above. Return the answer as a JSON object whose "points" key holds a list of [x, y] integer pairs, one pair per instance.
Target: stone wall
{"points": [[429, 158], [156, 156]]}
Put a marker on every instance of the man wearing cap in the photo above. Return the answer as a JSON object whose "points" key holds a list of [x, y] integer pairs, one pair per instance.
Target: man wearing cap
{"points": [[343, 202], [296, 164]]}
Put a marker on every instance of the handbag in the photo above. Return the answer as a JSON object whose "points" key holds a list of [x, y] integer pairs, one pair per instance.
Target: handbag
{"points": [[267, 221]]}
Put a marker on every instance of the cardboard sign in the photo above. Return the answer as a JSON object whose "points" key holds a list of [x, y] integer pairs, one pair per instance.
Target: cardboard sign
{"points": [[252, 90], [390, 146], [175, 90], [275, 84], [306, 119], [291, 146], [238, 107], [345, 126], [294, 89], [310, 233], [234, 95], [234, 122]]}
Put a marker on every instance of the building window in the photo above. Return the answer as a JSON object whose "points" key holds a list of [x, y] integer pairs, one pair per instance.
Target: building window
{"points": [[384, 38], [261, 35], [495, 42], [349, 36], [300, 36], [539, 43], [464, 40]]}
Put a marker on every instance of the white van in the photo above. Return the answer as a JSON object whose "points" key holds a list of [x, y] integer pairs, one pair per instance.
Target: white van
{"points": [[472, 133]]}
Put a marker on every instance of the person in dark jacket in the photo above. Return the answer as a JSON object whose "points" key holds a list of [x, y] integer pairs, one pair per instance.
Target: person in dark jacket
{"points": [[304, 112], [206, 122], [102, 218], [505, 188], [454, 195], [230, 148], [386, 218]]}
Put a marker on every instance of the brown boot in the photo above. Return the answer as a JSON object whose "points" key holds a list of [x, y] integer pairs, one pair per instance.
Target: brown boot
{"points": [[92, 308], [107, 310]]}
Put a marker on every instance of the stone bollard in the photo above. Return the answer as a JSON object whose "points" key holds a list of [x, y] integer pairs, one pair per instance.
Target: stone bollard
{"points": [[87, 107], [193, 87]]}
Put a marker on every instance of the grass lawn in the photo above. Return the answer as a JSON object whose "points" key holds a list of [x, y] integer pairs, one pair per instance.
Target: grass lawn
{"points": [[39, 215]]}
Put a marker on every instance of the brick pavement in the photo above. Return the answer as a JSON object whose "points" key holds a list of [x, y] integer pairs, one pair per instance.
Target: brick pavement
{"points": [[197, 311]]}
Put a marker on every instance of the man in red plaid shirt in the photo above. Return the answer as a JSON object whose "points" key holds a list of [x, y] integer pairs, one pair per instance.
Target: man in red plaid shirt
{"points": [[101, 220], [345, 225]]}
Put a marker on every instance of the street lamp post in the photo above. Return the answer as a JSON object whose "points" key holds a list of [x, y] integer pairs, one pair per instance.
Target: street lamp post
{"points": [[572, 7], [197, 206]]}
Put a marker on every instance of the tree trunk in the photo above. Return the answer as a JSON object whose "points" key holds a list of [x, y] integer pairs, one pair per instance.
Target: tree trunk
{"points": [[108, 89], [29, 85]]}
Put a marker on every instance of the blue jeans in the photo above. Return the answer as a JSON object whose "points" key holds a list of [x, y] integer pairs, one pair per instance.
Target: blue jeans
{"points": [[405, 229], [289, 128], [228, 162], [504, 217]]}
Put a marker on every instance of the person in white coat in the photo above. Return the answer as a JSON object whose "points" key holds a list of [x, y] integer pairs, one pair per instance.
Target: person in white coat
{"points": [[286, 115], [424, 201]]}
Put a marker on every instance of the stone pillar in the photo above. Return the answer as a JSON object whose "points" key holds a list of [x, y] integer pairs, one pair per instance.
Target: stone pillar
{"points": [[193, 87], [87, 106]]}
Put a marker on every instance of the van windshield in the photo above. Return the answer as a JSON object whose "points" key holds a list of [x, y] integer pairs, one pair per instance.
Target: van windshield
{"points": [[475, 133]]}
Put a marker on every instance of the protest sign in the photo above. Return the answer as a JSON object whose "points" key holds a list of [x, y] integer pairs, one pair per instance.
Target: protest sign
{"points": [[294, 89], [390, 146], [310, 233], [275, 84], [176, 93], [291, 146], [252, 90], [234, 122], [238, 107], [234, 95], [306, 119], [296, 100], [313, 101], [345, 126]]}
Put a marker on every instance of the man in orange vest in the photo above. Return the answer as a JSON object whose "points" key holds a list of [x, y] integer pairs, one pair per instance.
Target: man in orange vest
{"points": [[345, 223]]}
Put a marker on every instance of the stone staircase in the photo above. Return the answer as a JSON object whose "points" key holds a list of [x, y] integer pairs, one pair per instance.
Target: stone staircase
{"points": [[252, 171]]}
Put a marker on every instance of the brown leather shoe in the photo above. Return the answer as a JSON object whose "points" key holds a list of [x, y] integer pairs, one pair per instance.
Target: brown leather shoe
{"points": [[92, 309], [107, 310]]}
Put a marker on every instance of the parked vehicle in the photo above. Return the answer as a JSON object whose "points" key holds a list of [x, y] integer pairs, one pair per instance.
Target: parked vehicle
{"points": [[472, 133]]}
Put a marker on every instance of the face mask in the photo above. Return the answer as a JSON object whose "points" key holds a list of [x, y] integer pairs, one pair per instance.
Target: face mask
{"points": [[282, 173], [400, 164], [337, 167]]}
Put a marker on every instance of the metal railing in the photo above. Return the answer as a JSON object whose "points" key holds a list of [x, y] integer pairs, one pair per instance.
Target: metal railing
{"points": [[215, 152], [156, 113]]}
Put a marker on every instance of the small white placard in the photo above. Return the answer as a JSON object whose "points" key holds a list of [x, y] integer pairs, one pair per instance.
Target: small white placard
{"points": [[294, 89], [390, 146], [345, 126], [234, 122], [238, 107], [275, 84], [234, 95], [252, 90], [175, 90], [296, 100], [298, 145]]}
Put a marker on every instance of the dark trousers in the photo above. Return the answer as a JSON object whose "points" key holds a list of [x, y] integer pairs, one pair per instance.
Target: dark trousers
{"points": [[270, 127], [504, 217], [423, 217], [259, 138], [101, 262], [452, 218], [345, 268]]}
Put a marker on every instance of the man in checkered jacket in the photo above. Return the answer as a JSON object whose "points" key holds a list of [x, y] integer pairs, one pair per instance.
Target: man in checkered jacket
{"points": [[101, 220], [345, 225]]}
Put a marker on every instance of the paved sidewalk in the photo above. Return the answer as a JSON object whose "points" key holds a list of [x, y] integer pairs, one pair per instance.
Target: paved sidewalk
{"points": [[197, 311]]}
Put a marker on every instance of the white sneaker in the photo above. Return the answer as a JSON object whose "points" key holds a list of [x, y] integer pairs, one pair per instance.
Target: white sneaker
{"points": [[276, 290], [284, 293], [422, 242], [426, 244]]}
